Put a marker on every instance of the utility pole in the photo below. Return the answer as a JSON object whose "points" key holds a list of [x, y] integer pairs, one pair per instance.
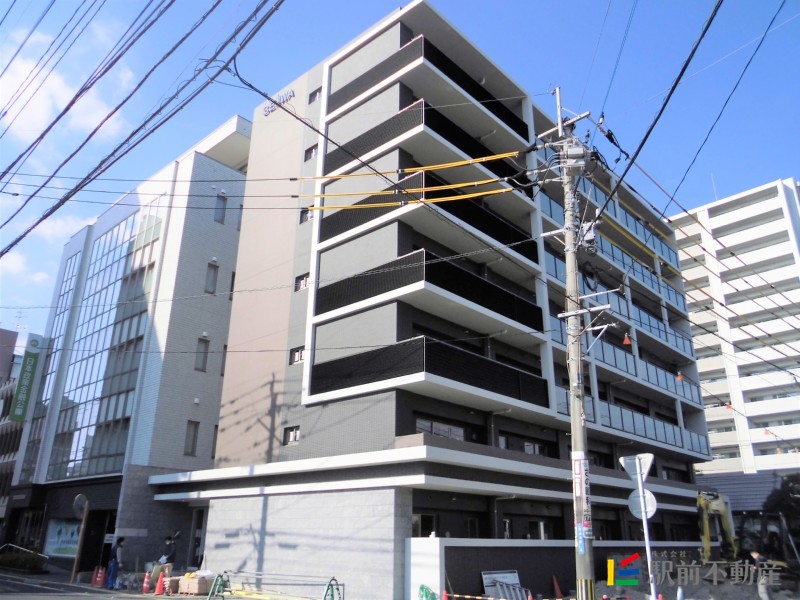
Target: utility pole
{"points": [[572, 158]]}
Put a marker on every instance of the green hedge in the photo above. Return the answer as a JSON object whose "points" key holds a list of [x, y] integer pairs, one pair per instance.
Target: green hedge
{"points": [[27, 562]]}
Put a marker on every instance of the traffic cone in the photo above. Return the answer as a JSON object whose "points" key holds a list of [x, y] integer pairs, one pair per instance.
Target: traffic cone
{"points": [[661, 597], [102, 577], [160, 585], [94, 576], [530, 596], [146, 584], [444, 595], [556, 588]]}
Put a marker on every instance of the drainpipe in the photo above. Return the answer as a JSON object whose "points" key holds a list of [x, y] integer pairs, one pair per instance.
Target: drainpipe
{"points": [[494, 512]]}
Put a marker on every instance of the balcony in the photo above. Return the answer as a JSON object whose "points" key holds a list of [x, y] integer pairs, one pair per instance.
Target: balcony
{"points": [[640, 230], [555, 266], [668, 381], [655, 326], [641, 272], [418, 268], [644, 426], [427, 357], [470, 211], [614, 356], [562, 404], [406, 121], [417, 49]]}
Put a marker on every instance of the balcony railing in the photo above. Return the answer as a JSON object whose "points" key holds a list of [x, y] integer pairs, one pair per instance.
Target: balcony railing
{"points": [[642, 272], [668, 381], [562, 404], [341, 221], [658, 328], [425, 355], [407, 119], [614, 356], [556, 267], [645, 234], [628, 421], [421, 47], [551, 208], [416, 267]]}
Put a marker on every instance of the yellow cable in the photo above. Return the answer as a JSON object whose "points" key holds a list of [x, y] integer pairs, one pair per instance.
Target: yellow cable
{"points": [[450, 165], [420, 190], [432, 201]]}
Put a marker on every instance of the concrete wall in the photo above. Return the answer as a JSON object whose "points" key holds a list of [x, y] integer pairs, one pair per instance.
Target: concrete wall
{"points": [[259, 381], [370, 54], [315, 537]]}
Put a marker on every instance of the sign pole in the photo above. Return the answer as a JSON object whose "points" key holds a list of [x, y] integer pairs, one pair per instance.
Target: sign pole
{"points": [[642, 504]]}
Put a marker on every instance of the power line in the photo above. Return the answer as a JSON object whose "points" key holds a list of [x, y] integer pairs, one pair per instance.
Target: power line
{"points": [[727, 100], [661, 110], [27, 37], [130, 143]]}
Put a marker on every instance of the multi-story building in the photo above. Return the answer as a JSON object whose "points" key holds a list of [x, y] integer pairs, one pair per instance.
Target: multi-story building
{"points": [[741, 256], [395, 401], [10, 430], [135, 358]]}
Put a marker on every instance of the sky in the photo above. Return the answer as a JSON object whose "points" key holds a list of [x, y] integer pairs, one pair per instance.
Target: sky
{"points": [[619, 57]]}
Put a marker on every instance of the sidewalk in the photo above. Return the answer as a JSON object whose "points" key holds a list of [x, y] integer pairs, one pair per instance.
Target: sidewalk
{"points": [[59, 577]]}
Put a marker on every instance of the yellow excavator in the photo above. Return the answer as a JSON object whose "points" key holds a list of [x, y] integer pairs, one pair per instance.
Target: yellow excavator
{"points": [[714, 512]]}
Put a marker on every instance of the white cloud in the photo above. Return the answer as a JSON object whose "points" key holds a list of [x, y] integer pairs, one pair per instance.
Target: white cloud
{"points": [[57, 230], [15, 265]]}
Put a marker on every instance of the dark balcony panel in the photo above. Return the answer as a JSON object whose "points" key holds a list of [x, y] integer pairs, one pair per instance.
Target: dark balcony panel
{"points": [[390, 276], [418, 266], [473, 148], [470, 369], [494, 226], [406, 55], [437, 358], [458, 281], [411, 116], [369, 367], [344, 220], [377, 136], [475, 89]]}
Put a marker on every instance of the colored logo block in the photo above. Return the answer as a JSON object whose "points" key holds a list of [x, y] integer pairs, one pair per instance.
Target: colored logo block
{"points": [[624, 574]]}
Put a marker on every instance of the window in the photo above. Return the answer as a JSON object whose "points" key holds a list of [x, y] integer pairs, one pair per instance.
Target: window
{"points": [[220, 208], [211, 278], [301, 282], [241, 215], [296, 355], [224, 359], [422, 525], [214, 442], [315, 95], [233, 280], [507, 531], [310, 153], [291, 435], [201, 354], [502, 441], [305, 215], [190, 444], [440, 429], [473, 527]]}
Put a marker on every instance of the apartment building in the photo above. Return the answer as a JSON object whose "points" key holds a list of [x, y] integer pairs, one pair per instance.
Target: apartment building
{"points": [[394, 406], [134, 361], [741, 256]]}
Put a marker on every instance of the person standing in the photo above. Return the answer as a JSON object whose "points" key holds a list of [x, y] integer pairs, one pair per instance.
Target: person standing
{"points": [[167, 558], [115, 564]]}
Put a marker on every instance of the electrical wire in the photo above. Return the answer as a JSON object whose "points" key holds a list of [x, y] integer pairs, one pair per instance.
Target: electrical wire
{"points": [[130, 143], [664, 104], [28, 36], [616, 62], [727, 100], [8, 10], [31, 77]]}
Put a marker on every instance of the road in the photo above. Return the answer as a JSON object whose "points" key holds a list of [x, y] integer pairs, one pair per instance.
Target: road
{"points": [[32, 588]]}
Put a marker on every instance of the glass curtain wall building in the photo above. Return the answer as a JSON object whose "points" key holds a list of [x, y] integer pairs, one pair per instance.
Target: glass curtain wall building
{"points": [[122, 396]]}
